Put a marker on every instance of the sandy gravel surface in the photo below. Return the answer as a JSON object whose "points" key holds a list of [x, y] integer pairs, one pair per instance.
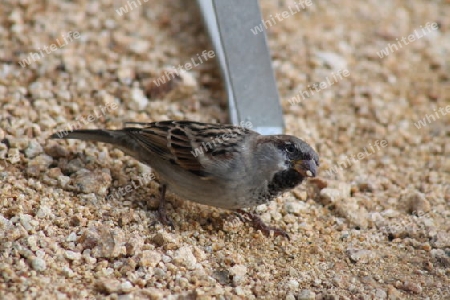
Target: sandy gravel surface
{"points": [[77, 219]]}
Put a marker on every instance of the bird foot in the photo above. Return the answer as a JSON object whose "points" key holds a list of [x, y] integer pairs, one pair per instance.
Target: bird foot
{"points": [[164, 218], [162, 212], [259, 224]]}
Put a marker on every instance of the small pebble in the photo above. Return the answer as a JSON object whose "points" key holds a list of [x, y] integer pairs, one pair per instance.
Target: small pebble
{"points": [[33, 149], [185, 257], [13, 156], [329, 195], [410, 286], [360, 255], [306, 295], [150, 258], [418, 204], [71, 255], [97, 182], [38, 264], [295, 207]]}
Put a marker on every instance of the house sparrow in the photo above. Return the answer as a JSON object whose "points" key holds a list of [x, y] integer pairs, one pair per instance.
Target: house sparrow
{"points": [[220, 165]]}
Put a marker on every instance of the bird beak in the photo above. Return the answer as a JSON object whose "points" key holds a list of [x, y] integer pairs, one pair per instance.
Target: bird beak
{"points": [[307, 168]]}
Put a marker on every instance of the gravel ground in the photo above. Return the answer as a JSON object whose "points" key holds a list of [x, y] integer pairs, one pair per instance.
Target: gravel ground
{"points": [[374, 225]]}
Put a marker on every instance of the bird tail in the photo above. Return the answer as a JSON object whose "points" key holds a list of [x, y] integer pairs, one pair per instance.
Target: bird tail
{"points": [[98, 135], [119, 138]]}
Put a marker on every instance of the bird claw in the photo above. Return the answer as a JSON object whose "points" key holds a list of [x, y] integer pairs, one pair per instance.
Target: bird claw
{"points": [[266, 230], [259, 224], [164, 218]]}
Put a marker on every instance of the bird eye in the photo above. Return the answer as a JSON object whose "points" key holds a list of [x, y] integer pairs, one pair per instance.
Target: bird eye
{"points": [[290, 148]]}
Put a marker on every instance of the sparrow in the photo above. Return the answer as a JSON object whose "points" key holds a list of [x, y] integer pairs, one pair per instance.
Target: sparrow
{"points": [[220, 165]]}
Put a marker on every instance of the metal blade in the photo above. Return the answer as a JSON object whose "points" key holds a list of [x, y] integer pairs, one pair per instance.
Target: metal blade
{"points": [[245, 62]]}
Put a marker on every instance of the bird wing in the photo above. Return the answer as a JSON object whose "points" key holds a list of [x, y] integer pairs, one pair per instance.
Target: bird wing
{"points": [[193, 146]]}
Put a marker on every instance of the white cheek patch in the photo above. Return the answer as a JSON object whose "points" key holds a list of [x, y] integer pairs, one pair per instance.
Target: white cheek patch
{"points": [[309, 174], [282, 166]]}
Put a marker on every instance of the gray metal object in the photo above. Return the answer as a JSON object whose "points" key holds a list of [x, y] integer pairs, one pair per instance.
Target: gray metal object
{"points": [[245, 62]]}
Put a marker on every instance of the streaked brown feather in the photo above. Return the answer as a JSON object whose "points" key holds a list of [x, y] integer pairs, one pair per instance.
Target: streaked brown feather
{"points": [[176, 141]]}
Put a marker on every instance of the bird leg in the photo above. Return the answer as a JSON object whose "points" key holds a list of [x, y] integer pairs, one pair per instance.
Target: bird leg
{"points": [[165, 220], [259, 224]]}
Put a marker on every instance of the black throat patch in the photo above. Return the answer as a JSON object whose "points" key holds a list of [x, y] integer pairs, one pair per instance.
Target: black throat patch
{"points": [[283, 181]]}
